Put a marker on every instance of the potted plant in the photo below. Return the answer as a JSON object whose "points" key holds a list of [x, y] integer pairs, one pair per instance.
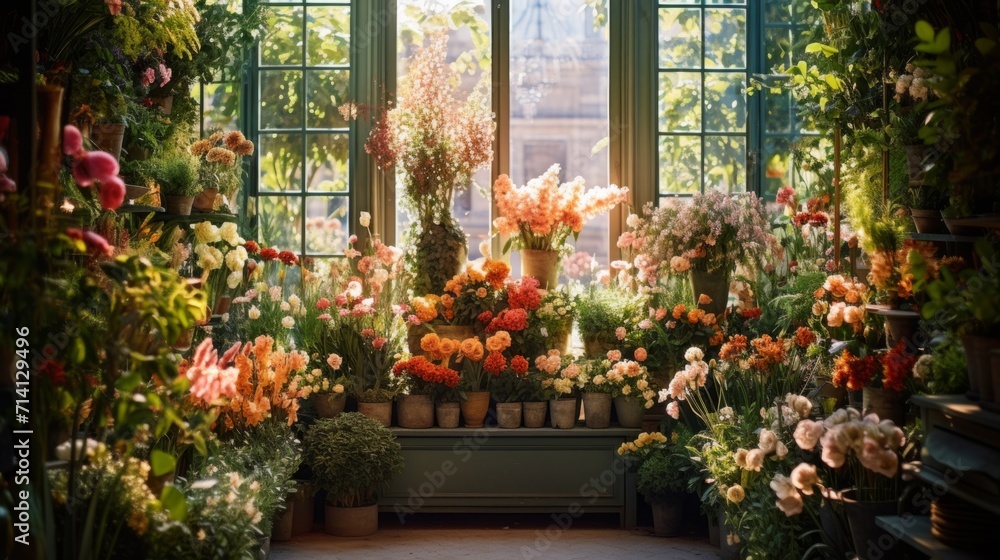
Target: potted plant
{"points": [[509, 389], [478, 370], [538, 218], [662, 479], [326, 391], [559, 379], [138, 176], [352, 457], [555, 316], [178, 181], [926, 203], [601, 311], [597, 393], [220, 157], [422, 379]]}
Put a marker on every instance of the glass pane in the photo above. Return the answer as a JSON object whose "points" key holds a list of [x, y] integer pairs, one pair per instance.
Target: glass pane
{"points": [[777, 11], [328, 89], [280, 162], [725, 163], [725, 38], [283, 44], [329, 35], [328, 164], [680, 38], [725, 102], [778, 46], [569, 123], [680, 164], [280, 99], [326, 224], [777, 168], [281, 222], [222, 106], [777, 107], [467, 24], [680, 101]]}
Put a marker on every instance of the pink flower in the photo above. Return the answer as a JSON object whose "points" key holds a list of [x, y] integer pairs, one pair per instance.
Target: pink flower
{"points": [[322, 303], [620, 333], [673, 410], [96, 243], [640, 354], [72, 140], [114, 6], [334, 361], [614, 355], [807, 434], [645, 324], [148, 77], [379, 342], [324, 317], [209, 376], [165, 74], [93, 166], [804, 477], [112, 192]]}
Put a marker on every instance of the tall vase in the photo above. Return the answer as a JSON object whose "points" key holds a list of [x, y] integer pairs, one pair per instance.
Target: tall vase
{"points": [[870, 541], [542, 265], [715, 285], [474, 408], [886, 403], [630, 412], [441, 252]]}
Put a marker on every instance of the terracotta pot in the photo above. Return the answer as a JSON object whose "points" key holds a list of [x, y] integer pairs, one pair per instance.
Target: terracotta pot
{"points": [[447, 414], [381, 411], [900, 325], [183, 342], [509, 415], [474, 408], [222, 304], [668, 516], [630, 412], [870, 541], [177, 205], [915, 164], [713, 284], [563, 412], [927, 221], [959, 229], [134, 192], [979, 356], [542, 266], [597, 409], [108, 138], [352, 522], [329, 405], [454, 332], [205, 200], [282, 529], [415, 411], [595, 348], [534, 413], [887, 404]]}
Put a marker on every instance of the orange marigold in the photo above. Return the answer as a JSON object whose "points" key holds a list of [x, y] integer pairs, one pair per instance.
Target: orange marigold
{"points": [[804, 337], [695, 315], [732, 349], [519, 364], [496, 273]]}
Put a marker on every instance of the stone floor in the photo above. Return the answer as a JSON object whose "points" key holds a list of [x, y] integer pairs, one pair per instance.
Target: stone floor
{"points": [[495, 538]]}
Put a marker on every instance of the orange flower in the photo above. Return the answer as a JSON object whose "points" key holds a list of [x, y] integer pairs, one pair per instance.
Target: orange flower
{"points": [[447, 301], [717, 336], [708, 319], [519, 364], [447, 348], [679, 311], [804, 337], [455, 285], [703, 299], [498, 342], [731, 350], [769, 352], [495, 363], [496, 273], [481, 292], [820, 293], [695, 315], [430, 343]]}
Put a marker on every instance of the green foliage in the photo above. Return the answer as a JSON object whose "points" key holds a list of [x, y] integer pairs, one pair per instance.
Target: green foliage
{"points": [[948, 373], [140, 172], [602, 309], [352, 457], [666, 471], [792, 305], [438, 254], [969, 301], [179, 175]]}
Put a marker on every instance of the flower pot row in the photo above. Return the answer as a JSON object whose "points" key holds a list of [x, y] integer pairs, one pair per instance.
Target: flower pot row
{"points": [[421, 412]]}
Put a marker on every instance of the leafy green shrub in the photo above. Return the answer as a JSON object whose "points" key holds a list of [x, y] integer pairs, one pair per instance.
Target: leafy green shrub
{"points": [[947, 371], [178, 176], [601, 310], [664, 472], [352, 457]]}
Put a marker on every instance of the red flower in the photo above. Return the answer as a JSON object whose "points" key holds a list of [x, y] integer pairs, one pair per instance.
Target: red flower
{"points": [[511, 320], [804, 337], [896, 367], [420, 368], [251, 247], [54, 372], [288, 258], [495, 363], [751, 313], [519, 364], [269, 254], [485, 317], [786, 195], [323, 303], [817, 219], [854, 372], [524, 294]]}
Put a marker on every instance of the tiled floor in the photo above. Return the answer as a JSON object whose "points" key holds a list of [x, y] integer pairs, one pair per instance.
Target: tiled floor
{"points": [[443, 541]]}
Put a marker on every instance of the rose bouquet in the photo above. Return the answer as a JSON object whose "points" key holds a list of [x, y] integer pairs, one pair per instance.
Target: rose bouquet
{"points": [[839, 308], [543, 214]]}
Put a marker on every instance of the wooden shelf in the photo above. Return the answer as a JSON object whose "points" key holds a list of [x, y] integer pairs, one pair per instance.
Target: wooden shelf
{"points": [[958, 406], [196, 217], [943, 237], [991, 222], [139, 209], [492, 431], [974, 496], [916, 532]]}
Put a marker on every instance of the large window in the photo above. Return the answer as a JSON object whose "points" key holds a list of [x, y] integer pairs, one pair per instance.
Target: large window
{"points": [[702, 53], [303, 76]]}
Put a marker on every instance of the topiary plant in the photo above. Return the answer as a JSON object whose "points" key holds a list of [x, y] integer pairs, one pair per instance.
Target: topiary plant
{"points": [[352, 457], [664, 473]]}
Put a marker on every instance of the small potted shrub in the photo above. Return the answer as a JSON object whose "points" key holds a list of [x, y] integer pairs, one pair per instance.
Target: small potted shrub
{"points": [[178, 178], [352, 457], [137, 176], [601, 311], [662, 480]]}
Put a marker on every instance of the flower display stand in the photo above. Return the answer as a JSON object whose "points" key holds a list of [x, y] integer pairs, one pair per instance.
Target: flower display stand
{"points": [[572, 472]]}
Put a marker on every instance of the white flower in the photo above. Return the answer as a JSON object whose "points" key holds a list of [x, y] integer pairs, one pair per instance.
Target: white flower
{"points": [[287, 322], [230, 234], [254, 312], [365, 220], [294, 301], [632, 221], [206, 232], [81, 448], [225, 317], [694, 354], [285, 306], [234, 279]]}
